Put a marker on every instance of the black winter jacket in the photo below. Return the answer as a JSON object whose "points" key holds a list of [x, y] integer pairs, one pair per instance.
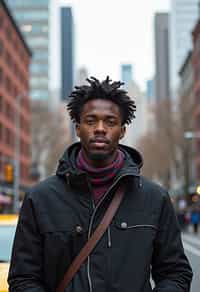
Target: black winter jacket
{"points": [[58, 215]]}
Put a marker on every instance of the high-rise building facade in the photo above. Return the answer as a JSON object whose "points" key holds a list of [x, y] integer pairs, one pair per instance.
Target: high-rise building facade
{"points": [[150, 91], [183, 17], [15, 135], [67, 50], [81, 76], [126, 73], [138, 127], [161, 56], [196, 90], [33, 17]]}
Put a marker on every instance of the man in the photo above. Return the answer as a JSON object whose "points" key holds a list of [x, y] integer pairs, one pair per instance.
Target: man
{"points": [[60, 213]]}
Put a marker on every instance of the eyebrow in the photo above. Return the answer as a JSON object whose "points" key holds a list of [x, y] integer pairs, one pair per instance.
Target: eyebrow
{"points": [[107, 116]]}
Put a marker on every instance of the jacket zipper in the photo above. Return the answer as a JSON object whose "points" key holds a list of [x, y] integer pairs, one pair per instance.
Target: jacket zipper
{"points": [[88, 260], [92, 220]]}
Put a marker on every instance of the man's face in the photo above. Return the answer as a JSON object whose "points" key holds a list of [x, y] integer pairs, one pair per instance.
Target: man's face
{"points": [[100, 129]]}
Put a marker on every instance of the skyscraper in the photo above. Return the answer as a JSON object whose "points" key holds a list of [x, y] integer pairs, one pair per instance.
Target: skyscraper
{"points": [[150, 91], [161, 56], [33, 19], [184, 14], [81, 76], [135, 130], [126, 73], [67, 50]]}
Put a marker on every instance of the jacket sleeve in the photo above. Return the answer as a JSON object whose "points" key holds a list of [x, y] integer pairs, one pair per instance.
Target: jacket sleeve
{"points": [[171, 270], [26, 269]]}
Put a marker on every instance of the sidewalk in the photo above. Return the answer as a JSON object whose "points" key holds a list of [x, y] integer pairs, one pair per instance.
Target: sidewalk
{"points": [[189, 230]]}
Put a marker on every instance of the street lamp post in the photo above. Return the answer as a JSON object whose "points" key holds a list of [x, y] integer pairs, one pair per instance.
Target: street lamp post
{"points": [[16, 185]]}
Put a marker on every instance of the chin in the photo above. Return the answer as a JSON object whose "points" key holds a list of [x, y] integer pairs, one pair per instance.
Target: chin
{"points": [[99, 156]]}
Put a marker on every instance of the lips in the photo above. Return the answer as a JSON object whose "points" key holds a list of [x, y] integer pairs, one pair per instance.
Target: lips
{"points": [[102, 141], [99, 143]]}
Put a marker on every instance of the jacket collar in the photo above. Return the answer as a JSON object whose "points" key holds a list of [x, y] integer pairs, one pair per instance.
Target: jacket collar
{"points": [[79, 179]]}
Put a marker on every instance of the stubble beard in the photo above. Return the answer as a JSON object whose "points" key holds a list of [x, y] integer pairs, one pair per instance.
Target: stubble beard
{"points": [[99, 156]]}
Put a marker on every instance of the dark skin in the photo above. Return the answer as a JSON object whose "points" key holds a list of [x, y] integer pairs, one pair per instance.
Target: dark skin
{"points": [[100, 130]]}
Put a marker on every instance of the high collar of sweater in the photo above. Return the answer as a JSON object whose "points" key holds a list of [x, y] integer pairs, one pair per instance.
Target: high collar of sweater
{"points": [[101, 175]]}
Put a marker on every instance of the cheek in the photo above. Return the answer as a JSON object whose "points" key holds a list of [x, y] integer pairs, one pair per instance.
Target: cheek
{"points": [[84, 133], [116, 137]]}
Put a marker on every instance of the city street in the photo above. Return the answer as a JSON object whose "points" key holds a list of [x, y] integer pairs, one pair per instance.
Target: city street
{"points": [[191, 244]]}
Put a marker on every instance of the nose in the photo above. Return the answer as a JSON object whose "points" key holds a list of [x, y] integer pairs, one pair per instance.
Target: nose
{"points": [[100, 127]]}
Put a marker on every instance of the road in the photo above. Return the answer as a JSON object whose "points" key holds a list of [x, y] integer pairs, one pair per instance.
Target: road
{"points": [[191, 244]]}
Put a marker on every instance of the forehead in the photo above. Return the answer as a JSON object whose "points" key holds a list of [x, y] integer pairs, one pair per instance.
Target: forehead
{"points": [[101, 106]]}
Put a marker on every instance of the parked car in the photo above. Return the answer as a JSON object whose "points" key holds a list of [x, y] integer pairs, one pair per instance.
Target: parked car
{"points": [[8, 224]]}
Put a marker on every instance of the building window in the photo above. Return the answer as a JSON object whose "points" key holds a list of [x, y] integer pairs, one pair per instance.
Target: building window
{"points": [[39, 68], [39, 81], [31, 3], [38, 41], [7, 84], [39, 94], [1, 132], [14, 91], [1, 21], [40, 56], [1, 74], [197, 122], [8, 33], [8, 60], [8, 112], [1, 103], [7, 136], [33, 15], [1, 48]]}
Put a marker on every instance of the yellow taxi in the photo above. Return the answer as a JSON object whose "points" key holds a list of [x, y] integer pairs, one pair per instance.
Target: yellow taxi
{"points": [[8, 224]]}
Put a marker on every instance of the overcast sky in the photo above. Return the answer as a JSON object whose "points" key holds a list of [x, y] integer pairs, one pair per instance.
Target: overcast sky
{"points": [[111, 32]]}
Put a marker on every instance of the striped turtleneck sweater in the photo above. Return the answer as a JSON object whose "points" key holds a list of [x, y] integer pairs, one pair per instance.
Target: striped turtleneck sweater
{"points": [[101, 178]]}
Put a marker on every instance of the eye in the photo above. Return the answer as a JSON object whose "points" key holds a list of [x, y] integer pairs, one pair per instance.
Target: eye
{"points": [[90, 122], [111, 123]]}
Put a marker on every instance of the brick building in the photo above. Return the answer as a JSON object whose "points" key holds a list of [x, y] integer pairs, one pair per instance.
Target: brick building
{"points": [[196, 115], [15, 57], [186, 107]]}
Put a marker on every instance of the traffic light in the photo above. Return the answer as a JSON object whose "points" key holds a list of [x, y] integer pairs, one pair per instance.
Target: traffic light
{"points": [[9, 173]]}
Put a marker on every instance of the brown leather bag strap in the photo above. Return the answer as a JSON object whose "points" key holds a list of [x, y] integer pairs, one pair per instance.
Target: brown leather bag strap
{"points": [[93, 240]]}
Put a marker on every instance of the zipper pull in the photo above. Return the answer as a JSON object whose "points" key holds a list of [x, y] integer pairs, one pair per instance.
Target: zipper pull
{"points": [[67, 177], [109, 237]]}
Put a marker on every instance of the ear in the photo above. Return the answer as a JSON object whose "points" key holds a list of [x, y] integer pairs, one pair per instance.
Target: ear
{"points": [[123, 131], [77, 127]]}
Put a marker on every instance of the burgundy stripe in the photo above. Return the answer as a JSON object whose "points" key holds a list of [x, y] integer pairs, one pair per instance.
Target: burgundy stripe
{"points": [[101, 178]]}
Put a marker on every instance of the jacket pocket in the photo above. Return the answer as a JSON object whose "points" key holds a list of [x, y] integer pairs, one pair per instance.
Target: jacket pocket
{"points": [[131, 251], [136, 221], [133, 230], [62, 238], [123, 225]]}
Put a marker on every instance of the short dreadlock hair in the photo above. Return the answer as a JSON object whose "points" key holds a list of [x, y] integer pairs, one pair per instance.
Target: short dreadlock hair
{"points": [[107, 90]]}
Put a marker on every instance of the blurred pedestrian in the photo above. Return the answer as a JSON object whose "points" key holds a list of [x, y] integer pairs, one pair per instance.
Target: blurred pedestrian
{"points": [[61, 213], [181, 213], [195, 219]]}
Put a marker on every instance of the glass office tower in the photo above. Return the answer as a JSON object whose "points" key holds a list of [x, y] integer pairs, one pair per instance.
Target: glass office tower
{"points": [[67, 52], [183, 17], [33, 17]]}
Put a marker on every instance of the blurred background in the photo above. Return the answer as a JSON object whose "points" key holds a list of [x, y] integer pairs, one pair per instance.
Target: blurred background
{"points": [[49, 46]]}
